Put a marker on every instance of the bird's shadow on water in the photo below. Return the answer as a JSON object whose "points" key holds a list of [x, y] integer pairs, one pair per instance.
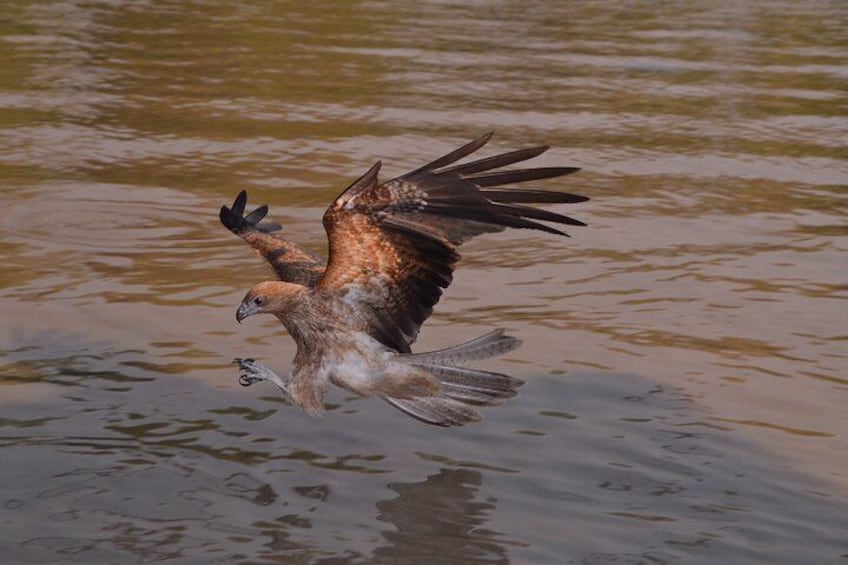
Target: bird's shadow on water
{"points": [[120, 462]]}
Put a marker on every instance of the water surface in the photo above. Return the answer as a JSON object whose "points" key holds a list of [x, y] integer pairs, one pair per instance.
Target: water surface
{"points": [[685, 355]]}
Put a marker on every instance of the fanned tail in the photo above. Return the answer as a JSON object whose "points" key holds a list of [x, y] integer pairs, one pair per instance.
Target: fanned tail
{"points": [[461, 389]]}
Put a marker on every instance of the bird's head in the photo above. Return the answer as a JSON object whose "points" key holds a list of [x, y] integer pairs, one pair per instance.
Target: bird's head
{"points": [[269, 297]]}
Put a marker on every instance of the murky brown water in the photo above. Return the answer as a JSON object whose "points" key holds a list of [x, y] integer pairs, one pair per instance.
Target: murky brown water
{"points": [[687, 396]]}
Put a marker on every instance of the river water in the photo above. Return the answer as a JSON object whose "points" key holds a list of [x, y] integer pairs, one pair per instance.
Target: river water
{"points": [[685, 355]]}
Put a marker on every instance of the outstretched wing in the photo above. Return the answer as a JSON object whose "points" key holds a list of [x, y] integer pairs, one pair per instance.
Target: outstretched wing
{"points": [[291, 262], [393, 245]]}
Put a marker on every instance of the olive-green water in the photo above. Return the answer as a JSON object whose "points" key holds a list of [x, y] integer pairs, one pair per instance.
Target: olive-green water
{"points": [[686, 354]]}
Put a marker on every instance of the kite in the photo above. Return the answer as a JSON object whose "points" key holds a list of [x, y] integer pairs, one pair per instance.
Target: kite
{"points": [[392, 252]]}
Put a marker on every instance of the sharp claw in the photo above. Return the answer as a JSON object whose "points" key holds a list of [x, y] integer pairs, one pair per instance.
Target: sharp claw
{"points": [[248, 369]]}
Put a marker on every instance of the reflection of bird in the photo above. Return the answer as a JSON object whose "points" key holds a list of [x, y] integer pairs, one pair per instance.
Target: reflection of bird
{"points": [[392, 251], [442, 519]]}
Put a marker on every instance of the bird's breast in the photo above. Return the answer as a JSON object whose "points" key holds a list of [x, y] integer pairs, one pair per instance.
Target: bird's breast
{"points": [[356, 361]]}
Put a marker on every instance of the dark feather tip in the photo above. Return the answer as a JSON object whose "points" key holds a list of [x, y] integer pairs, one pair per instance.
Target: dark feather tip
{"points": [[268, 227], [228, 219], [254, 217], [234, 219], [240, 203]]}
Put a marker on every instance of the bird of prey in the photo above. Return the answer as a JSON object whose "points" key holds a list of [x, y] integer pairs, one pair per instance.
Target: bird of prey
{"points": [[392, 250]]}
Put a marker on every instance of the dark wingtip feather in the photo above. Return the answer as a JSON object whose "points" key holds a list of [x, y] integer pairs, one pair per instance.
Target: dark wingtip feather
{"points": [[498, 178], [496, 161], [532, 196], [496, 215], [256, 216], [225, 215], [240, 203], [234, 219], [454, 155], [538, 214], [520, 222]]}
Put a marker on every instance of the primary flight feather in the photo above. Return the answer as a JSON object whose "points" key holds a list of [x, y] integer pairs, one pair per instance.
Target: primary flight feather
{"points": [[392, 250]]}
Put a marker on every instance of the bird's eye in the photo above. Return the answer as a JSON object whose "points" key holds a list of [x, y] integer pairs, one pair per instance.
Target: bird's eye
{"points": [[258, 301]]}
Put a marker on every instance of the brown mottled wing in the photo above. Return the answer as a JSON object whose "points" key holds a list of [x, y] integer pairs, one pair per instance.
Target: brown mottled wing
{"points": [[291, 262], [393, 245]]}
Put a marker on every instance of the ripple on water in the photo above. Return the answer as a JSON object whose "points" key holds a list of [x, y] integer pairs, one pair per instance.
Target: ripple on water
{"points": [[100, 217], [684, 355]]}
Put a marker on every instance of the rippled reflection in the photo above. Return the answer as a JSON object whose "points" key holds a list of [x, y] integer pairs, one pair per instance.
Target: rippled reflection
{"points": [[439, 517]]}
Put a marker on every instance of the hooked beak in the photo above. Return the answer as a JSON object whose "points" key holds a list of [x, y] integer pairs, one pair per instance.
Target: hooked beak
{"points": [[245, 309]]}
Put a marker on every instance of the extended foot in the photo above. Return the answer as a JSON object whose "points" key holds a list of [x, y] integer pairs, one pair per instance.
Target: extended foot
{"points": [[251, 372]]}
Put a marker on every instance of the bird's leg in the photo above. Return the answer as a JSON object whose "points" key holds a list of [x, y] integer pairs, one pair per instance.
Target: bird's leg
{"points": [[251, 372]]}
